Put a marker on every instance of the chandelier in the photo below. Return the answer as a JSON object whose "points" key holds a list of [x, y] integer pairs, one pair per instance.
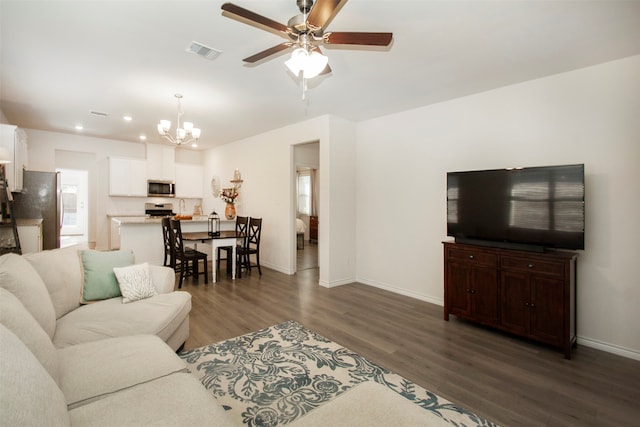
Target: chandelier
{"points": [[185, 132]]}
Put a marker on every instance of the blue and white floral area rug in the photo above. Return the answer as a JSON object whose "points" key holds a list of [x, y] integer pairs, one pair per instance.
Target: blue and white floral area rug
{"points": [[276, 375]]}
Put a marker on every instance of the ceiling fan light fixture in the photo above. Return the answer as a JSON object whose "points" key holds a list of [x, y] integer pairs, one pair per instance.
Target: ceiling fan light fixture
{"points": [[315, 64], [297, 61], [311, 64]]}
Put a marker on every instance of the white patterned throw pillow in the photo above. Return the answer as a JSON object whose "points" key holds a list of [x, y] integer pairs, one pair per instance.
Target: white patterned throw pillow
{"points": [[135, 282]]}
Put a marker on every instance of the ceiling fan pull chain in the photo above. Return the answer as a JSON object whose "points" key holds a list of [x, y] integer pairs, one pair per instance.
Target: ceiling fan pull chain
{"points": [[304, 88]]}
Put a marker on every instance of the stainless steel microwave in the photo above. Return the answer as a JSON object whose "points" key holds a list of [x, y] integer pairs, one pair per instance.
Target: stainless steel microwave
{"points": [[157, 188]]}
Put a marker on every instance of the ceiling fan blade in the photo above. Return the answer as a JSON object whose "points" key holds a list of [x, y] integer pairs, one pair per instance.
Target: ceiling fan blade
{"points": [[267, 52], [246, 16], [322, 12], [368, 39]]}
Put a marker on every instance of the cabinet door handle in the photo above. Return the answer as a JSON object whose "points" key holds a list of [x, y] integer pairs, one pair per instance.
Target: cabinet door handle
{"points": [[471, 257], [532, 305], [530, 266]]}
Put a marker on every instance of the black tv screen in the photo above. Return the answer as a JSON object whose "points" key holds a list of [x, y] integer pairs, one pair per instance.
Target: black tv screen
{"points": [[531, 208]]}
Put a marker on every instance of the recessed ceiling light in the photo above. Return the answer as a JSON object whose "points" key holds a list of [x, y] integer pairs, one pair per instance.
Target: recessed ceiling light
{"points": [[194, 145], [143, 137], [127, 118], [79, 127]]}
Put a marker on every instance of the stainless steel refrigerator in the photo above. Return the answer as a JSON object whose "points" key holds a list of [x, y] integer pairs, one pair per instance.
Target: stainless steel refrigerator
{"points": [[41, 198]]}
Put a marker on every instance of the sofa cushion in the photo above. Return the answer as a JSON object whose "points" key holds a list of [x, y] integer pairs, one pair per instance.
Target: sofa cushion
{"points": [[19, 277], [159, 315], [61, 272], [18, 320], [134, 282], [163, 278], [93, 370], [28, 394], [174, 400], [99, 280]]}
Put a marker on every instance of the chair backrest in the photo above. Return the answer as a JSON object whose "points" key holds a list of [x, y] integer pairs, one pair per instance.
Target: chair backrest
{"points": [[242, 224], [254, 231], [176, 231], [167, 236]]}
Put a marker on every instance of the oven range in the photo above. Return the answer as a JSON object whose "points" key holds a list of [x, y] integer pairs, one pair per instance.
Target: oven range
{"points": [[158, 209]]}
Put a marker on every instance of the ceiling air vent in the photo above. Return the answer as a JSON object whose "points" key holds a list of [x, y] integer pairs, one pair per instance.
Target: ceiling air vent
{"points": [[204, 51]]}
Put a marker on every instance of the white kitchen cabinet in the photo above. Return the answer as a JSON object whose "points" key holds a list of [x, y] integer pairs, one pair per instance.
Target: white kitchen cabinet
{"points": [[30, 234], [189, 181], [161, 162], [15, 141], [127, 177]]}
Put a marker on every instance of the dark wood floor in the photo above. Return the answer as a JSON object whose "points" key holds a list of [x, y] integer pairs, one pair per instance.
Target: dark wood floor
{"points": [[508, 380]]}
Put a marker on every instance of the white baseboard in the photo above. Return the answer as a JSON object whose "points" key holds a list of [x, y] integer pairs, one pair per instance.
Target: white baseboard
{"points": [[609, 348], [422, 297], [335, 283], [587, 342]]}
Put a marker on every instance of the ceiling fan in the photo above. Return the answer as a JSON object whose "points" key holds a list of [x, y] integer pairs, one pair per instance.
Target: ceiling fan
{"points": [[305, 33]]}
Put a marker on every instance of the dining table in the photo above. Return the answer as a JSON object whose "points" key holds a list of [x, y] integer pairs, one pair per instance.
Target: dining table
{"points": [[223, 238]]}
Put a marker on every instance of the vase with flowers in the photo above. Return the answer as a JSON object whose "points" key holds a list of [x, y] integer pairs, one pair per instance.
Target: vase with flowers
{"points": [[229, 195]]}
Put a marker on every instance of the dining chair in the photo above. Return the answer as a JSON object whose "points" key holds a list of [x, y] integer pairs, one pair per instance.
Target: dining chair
{"points": [[166, 236], [252, 246], [188, 258], [241, 229]]}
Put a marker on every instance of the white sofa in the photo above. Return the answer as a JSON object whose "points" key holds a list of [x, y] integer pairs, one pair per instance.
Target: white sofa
{"points": [[105, 363], [59, 312]]}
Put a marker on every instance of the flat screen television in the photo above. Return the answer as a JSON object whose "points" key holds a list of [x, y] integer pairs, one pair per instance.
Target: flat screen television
{"points": [[534, 208]]}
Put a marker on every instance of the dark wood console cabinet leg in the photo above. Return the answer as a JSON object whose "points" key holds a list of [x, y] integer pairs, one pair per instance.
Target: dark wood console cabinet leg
{"points": [[528, 294]]}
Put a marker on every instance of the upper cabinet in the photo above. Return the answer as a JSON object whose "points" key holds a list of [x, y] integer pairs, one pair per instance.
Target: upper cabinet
{"points": [[15, 141], [161, 162], [127, 177], [189, 181]]}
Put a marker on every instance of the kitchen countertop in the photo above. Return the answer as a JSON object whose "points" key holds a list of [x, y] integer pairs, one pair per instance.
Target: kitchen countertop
{"points": [[151, 220]]}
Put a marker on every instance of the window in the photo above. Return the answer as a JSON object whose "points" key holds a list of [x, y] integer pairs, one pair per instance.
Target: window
{"points": [[304, 192]]}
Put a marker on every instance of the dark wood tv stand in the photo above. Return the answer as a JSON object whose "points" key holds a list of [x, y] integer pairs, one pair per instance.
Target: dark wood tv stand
{"points": [[532, 295]]}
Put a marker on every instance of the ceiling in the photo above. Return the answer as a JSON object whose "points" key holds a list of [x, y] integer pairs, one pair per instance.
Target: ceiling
{"points": [[61, 60]]}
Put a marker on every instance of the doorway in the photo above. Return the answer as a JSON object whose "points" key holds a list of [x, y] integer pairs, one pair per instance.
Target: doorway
{"points": [[75, 215], [306, 205]]}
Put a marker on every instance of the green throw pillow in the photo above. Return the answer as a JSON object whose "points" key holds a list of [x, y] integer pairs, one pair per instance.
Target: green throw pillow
{"points": [[99, 280]]}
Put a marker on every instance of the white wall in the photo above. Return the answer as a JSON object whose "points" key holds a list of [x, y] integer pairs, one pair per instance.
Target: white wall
{"points": [[588, 116], [383, 185], [267, 163]]}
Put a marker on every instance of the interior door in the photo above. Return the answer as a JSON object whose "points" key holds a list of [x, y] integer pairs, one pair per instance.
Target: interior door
{"points": [[74, 202]]}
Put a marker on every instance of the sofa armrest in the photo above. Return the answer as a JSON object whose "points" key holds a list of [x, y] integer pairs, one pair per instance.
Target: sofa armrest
{"points": [[163, 278]]}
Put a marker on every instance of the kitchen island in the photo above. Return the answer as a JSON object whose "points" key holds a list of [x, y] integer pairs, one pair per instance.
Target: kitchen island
{"points": [[143, 235]]}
